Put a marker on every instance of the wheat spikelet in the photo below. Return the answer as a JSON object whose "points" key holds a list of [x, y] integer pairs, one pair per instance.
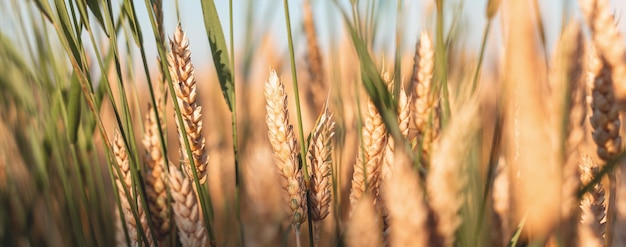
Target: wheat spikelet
{"points": [[609, 42], [124, 180], [316, 88], [283, 140], [187, 215], [181, 69], [445, 180], [320, 156], [154, 174], [364, 226], [408, 212], [591, 228], [425, 106], [367, 169]]}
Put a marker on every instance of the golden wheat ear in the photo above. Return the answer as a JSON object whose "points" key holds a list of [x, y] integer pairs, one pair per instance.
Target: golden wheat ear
{"points": [[191, 230], [284, 142], [124, 180], [155, 173], [320, 156], [181, 69], [364, 226]]}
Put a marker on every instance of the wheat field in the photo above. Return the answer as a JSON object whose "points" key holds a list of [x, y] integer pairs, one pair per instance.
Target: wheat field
{"points": [[113, 134]]}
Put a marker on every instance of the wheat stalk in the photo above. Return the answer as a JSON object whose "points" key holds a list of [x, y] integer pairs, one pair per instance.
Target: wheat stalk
{"points": [[124, 180], [364, 226], [609, 42], [154, 174], [284, 143], [445, 180], [425, 107], [592, 224], [187, 215], [320, 156], [181, 69], [408, 212], [367, 169]]}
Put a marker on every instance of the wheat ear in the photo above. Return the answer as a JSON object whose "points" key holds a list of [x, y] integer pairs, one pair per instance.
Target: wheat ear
{"points": [[609, 42], [187, 215], [404, 200], [404, 113], [445, 180], [364, 226], [155, 177], [320, 156], [284, 143], [567, 101], [592, 224], [425, 107], [124, 180], [368, 166], [181, 69], [316, 88]]}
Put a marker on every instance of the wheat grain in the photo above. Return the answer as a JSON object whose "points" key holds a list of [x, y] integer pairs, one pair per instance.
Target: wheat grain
{"points": [[609, 42], [284, 143], [187, 215], [181, 69], [124, 180], [154, 174]]}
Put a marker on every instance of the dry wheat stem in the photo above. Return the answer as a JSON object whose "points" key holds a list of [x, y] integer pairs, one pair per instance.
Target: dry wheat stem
{"points": [[124, 180], [609, 42], [191, 230], [446, 178], [181, 69], [592, 225], [284, 144]]}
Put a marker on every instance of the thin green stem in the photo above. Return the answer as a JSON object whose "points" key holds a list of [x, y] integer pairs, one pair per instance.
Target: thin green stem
{"points": [[303, 145], [482, 55]]}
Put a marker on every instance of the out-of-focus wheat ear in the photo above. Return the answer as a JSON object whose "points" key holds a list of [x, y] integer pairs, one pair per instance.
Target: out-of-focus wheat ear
{"points": [[320, 156], [155, 173], [191, 230], [181, 69], [284, 143], [317, 88], [609, 42], [500, 203], [364, 226], [425, 105], [404, 200], [368, 165], [447, 178], [592, 225], [567, 106], [122, 181]]}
